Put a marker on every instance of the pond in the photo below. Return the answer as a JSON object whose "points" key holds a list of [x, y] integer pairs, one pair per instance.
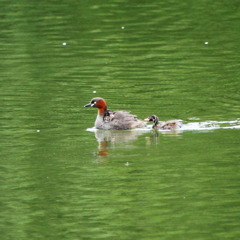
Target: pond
{"points": [[63, 179]]}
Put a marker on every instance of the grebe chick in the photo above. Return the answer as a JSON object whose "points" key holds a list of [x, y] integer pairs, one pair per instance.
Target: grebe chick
{"points": [[118, 120], [169, 125]]}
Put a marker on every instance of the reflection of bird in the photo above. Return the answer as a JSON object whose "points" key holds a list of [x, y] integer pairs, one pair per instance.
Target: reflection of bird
{"points": [[109, 139], [170, 125], [118, 120]]}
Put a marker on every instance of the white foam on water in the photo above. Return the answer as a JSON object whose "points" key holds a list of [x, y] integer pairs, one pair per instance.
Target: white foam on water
{"points": [[212, 125], [193, 126]]}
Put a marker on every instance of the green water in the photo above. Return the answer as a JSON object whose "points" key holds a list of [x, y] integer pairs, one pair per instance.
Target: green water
{"points": [[175, 59]]}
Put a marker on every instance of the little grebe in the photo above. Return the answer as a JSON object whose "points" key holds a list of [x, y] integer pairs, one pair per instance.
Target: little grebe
{"points": [[169, 125], [109, 120]]}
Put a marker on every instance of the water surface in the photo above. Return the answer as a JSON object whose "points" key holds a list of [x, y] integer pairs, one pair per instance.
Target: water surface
{"points": [[178, 60]]}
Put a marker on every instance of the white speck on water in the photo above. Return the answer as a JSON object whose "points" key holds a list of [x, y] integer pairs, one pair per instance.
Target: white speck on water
{"points": [[38, 130], [194, 118], [123, 27], [64, 44], [206, 43], [127, 164], [94, 91]]}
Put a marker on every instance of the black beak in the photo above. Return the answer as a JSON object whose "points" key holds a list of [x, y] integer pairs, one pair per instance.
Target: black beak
{"points": [[88, 105]]}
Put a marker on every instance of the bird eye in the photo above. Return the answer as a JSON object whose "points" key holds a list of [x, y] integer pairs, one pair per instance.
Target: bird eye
{"points": [[93, 103]]}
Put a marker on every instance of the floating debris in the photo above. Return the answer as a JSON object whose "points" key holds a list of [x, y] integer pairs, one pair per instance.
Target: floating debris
{"points": [[38, 130], [64, 44], [94, 91], [122, 27], [206, 43]]}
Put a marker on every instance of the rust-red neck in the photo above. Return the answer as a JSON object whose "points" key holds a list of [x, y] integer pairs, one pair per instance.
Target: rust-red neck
{"points": [[102, 110], [102, 106]]}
